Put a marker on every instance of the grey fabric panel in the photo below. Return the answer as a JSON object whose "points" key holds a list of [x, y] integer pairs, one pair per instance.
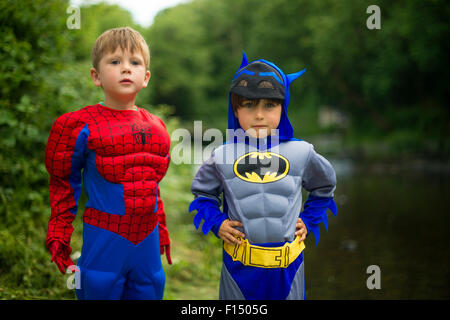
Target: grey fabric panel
{"points": [[319, 177], [228, 289], [268, 211], [298, 285], [206, 182]]}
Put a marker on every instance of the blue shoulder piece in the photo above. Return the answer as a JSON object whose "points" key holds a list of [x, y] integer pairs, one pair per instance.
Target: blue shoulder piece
{"points": [[315, 212], [208, 210]]}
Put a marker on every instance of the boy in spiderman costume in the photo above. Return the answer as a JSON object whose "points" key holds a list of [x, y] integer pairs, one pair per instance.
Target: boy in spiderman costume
{"points": [[122, 152]]}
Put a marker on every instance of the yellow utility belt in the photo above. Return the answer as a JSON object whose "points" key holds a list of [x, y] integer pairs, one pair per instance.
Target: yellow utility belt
{"points": [[265, 257]]}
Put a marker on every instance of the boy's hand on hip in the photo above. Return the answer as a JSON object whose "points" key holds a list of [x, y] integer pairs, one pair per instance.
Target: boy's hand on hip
{"points": [[228, 233], [301, 230]]}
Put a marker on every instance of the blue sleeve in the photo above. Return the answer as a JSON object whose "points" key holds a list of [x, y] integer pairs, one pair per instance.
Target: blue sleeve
{"points": [[207, 210], [315, 212]]}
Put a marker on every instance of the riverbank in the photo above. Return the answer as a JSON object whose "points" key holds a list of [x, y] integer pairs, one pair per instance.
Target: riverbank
{"points": [[378, 155]]}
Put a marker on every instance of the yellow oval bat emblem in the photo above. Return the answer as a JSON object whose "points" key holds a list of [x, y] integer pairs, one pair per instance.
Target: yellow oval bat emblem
{"points": [[261, 167]]}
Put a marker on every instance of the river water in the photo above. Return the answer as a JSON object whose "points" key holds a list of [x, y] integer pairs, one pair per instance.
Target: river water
{"points": [[394, 217]]}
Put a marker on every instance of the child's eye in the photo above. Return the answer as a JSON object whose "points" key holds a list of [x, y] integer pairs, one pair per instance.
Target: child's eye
{"points": [[272, 104], [135, 63], [115, 62], [247, 104]]}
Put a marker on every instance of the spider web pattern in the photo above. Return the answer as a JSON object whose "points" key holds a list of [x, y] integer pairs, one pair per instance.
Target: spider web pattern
{"points": [[119, 159]]}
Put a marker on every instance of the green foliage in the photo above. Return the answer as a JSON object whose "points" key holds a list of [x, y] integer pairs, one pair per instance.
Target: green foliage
{"points": [[39, 80], [95, 19], [177, 31], [375, 77], [34, 40]]}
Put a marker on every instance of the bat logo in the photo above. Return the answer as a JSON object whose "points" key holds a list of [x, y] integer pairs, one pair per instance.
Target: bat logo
{"points": [[261, 167], [141, 134]]}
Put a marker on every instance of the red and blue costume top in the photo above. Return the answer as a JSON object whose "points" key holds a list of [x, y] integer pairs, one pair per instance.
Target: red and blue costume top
{"points": [[121, 155]]}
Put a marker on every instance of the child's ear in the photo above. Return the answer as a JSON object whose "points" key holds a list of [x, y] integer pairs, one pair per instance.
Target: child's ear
{"points": [[95, 77], [147, 78]]}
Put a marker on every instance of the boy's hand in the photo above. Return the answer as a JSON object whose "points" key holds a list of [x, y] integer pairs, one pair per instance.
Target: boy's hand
{"points": [[301, 230], [228, 233], [166, 248], [60, 255]]}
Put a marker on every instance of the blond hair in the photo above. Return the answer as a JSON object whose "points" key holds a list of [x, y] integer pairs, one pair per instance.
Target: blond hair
{"points": [[125, 38]]}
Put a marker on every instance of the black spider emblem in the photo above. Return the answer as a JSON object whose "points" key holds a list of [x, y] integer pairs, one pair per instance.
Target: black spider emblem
{"points": [[141, 134]]}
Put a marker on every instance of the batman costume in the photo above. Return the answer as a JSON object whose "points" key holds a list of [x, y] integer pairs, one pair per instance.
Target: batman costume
{"points": [[261, 181]]}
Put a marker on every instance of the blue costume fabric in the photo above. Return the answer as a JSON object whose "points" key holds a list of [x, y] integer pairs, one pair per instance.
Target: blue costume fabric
{"points": [[113, 268], [258, 205], [209, 211], [315, 212]]}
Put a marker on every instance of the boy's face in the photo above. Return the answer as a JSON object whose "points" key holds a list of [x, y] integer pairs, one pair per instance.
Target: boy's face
{"points": [[121, 74], [259, 117]]}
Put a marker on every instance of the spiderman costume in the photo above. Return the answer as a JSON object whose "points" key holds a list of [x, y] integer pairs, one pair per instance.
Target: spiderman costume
{"points": [[122, 155]]}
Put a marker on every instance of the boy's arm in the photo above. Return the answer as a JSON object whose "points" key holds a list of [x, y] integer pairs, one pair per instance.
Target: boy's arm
{"points": [[207, 187], [319, 178], [163, 232], [164, 241], [64, 159]]}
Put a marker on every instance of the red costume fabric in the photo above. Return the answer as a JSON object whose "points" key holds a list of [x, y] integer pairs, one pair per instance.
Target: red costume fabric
{"points": [[124, 154]]}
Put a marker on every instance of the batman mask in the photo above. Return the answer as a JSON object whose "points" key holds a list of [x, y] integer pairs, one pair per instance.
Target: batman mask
{"points": [[262, 79], [258, 80]]}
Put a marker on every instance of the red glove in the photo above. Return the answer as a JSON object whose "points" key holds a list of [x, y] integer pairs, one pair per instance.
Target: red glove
{"points": [[167, 247], [60, 255]]}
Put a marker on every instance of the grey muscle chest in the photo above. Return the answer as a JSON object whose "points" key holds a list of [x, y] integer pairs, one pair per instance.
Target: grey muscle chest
{"points": [[268, 206]]}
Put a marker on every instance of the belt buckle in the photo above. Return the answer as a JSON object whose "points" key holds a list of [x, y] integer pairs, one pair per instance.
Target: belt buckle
{"points": [[278, 257], [262, 257]]}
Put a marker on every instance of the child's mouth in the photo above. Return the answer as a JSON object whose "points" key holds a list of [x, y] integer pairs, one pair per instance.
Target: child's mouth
{"points": [[126, 81]]}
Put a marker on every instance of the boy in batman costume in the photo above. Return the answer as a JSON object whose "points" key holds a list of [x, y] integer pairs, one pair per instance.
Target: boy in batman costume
{"points": [[260, 177]]}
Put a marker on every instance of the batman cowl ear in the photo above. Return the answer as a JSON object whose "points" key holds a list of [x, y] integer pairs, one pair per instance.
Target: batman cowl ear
{"points": [[244, 60], [291, 77]]}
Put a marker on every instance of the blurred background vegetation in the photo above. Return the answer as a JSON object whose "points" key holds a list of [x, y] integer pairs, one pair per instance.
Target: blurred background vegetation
{"points": [[367, 95]]}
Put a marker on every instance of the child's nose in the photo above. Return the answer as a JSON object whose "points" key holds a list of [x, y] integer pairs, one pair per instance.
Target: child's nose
{"points": [[126, 67], [259, 115], [259, 112]]}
